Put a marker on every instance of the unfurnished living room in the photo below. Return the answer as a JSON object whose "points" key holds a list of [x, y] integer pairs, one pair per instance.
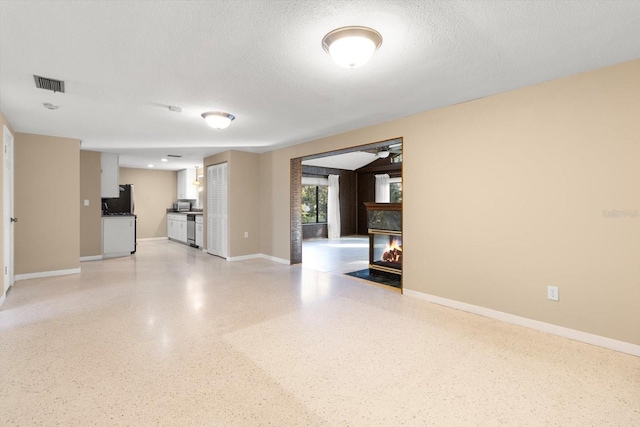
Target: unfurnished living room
{"points": [[320, 213]]}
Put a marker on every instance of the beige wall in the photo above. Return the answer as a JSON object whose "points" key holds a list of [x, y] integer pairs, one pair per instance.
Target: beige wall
{"points": [[244, 196], [505, 195], [90, 216], [244, 211], [47, 190], [155, 191], [3, 122]]}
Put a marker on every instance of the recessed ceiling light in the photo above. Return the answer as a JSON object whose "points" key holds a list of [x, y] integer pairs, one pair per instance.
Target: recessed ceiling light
{"points": [[164, 160], [352, 47], [218, 119], [149, 165], [51, 106]]}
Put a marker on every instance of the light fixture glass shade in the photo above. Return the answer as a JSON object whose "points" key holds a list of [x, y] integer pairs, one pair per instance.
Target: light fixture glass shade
{"points": [[218, 119], [383, 154], [352, 47], [196, 182]]}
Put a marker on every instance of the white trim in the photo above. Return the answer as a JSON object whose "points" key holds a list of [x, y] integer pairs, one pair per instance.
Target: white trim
{"points": [[3, 297], [275, 259], [149, 239], [600, 341], [243, 257], [254, 256], [90, 258], [52, 273]]}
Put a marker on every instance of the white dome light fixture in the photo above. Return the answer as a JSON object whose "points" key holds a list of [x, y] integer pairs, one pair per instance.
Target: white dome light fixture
{"points": [[383, 154], [352, 47], [218, 119]]}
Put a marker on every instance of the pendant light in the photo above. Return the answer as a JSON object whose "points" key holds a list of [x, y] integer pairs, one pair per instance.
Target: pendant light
{"points": [[197, 183]]}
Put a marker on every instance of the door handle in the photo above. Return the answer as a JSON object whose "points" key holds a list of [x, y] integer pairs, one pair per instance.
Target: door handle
{"points": [[14, 219]]}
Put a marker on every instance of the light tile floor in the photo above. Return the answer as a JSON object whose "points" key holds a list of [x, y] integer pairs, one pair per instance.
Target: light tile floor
{"points": [[339, 256], [172, 336]]}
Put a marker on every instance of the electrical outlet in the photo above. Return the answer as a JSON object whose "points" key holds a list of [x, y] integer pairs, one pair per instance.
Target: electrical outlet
{"points": [[86, 202], [246, 234], [552, 293]]}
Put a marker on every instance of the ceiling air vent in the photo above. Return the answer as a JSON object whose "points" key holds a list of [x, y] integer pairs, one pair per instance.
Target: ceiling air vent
{"points": [[173, 155], [49, 84]]}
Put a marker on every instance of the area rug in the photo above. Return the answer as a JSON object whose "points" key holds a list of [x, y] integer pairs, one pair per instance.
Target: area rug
{"points": [[377, 277]]}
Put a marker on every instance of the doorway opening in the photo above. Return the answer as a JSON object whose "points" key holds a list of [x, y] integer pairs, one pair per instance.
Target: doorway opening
{"points": [[345, 249]]}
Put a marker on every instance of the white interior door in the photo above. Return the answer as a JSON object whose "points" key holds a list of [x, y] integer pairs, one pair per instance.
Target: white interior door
{"points": [[7, 203], [217, 210]]}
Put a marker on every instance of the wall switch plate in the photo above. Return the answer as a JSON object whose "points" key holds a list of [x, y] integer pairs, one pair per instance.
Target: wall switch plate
{"points": [[246, 234], [552, 293], [86, 202]]}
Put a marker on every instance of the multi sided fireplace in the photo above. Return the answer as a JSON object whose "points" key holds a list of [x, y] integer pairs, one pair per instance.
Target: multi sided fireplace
{"points": [[385, 237]]}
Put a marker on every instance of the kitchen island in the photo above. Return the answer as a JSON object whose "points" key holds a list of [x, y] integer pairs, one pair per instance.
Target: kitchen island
{"points": [[118, 235]]}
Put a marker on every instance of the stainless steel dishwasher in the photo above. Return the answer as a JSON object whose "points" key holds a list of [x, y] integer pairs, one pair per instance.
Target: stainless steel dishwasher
{"points": [[191, 230]]}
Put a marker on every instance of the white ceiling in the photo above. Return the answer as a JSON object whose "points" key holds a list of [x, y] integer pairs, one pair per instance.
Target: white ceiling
{"points": [[346, 161], [125, 62]]}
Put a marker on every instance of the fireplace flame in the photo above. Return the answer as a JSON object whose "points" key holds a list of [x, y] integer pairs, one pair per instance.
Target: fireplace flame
{"points": [[393, 252]]}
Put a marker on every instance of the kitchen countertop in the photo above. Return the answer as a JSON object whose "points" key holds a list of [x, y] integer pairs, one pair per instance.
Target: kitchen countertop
{"points": [[117, 216], [185, 213]]}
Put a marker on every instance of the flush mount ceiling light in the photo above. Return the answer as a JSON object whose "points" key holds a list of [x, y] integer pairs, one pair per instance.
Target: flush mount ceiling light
{"points": [[352, 47], [218, 119]]}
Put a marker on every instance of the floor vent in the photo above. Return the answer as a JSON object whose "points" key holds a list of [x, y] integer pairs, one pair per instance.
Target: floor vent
{"points": [[49, 84]]}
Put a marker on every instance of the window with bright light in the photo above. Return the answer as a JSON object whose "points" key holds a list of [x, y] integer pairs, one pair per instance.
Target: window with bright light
{"points": [[395, 190], [315, 193]]}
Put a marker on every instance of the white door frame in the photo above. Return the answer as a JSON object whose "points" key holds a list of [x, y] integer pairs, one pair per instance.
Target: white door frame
{"points": [[7, 203]]}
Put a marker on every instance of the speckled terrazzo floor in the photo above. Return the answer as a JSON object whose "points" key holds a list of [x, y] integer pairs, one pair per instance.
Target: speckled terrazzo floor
{"points": [[172, 336]]}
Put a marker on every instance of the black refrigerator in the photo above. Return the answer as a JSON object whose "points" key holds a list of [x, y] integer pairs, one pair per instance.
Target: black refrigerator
{"points": [[125, 204]]}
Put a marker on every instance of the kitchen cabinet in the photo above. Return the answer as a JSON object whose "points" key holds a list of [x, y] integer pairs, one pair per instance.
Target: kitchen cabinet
{"points": [[118, 235], [170, 227], [186, 189], [109, 175], [199, 231], [177, 227], [182, 230]]}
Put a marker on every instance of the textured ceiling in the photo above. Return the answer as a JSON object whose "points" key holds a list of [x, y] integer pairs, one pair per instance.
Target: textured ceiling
{"points": [[125, 62]]}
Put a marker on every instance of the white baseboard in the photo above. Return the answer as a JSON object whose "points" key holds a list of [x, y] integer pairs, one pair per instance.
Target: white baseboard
{"points": [[275, 259], [243, 257], [41, 274], [150, 239], [90, 258], [254, 256], [3, 298], [600, 341]]}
